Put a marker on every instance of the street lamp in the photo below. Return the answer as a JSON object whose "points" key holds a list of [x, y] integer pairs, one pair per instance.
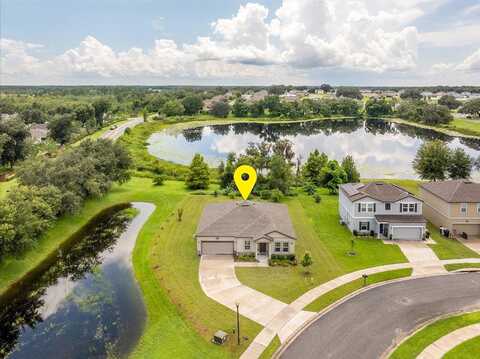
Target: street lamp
{"points": [[238, 323]]}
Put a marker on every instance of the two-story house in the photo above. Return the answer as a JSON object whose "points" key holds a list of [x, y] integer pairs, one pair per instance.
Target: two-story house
{"points": [[453, 204], [387, 210]]}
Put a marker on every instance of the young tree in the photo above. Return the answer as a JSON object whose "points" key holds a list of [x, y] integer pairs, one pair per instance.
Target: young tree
{"points": [[192, 104], [307, 262], [449, 101], [460, 165], [313, 167], [173, 108], [220, 109], [280, 175], [348, 165], [332, 176], [198, 176], [61, 129], [226, 177], [432, 160]]}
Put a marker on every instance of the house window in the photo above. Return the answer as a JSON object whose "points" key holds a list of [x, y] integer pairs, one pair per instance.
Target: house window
{"points": [[364, 226], [367, 207], [408, 207], [247, 245], [463, 208], [285, 246], [388, 206], [278, 246]]}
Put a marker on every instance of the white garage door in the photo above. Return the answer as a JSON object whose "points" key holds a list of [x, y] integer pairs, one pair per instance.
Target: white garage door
{"points": [[409, 233], [217, 248]]}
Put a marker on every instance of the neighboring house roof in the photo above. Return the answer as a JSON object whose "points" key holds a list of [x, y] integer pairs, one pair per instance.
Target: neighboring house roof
{"points": [[244, 220], [381, 191], [38, 131], [455, 191], [398, 218]]}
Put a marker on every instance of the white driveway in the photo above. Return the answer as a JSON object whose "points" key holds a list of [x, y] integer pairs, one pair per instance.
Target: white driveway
{"points": [[423, 258]]}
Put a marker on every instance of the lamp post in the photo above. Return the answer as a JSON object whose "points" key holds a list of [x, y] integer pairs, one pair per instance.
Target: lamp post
{"points": [[238, 323]]}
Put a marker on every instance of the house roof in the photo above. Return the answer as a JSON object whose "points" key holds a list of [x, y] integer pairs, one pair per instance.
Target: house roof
{"points": [[400, 218], [381, 191], [244, 220], [456, 191]]}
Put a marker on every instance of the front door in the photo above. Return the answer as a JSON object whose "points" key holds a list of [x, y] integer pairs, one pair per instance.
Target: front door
{"points": [[262, 249], [385, 230]]}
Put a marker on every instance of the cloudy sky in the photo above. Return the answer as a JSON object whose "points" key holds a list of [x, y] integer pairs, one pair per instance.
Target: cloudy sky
{"points": [[361, 42]]}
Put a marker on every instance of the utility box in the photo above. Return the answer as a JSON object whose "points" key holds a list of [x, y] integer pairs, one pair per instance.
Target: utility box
{"points": [[219, 337]]}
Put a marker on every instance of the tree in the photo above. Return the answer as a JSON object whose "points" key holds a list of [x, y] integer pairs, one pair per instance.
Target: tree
{"points": [[220, 109], [348, 107], [226, 177], [272, 105], [348, 165], [449, 101], [61, 128], [13, 141], [432, 160], [313, 167], [460, 165], [378, 107], [173, 108], [84, 113], [257, 109], [326, 88], [333, 176], [471, 107], [280, 175], [350, 92], [198, 176], [436, 114], [32, 116], [192, 104], [307, 262], [240, 108], [101, 107], [411, 94]]}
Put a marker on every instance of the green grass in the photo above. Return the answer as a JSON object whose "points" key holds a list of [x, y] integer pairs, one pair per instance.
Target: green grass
{"points": [[465, 126], [414, 345], [271, 349], [446, 248], [181, 318], [318, 231], [467, 350], [5, 187], [456, 266], [348, 288]]}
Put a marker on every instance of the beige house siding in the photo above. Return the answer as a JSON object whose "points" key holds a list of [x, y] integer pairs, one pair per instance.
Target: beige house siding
{"points": [[433, 201]]}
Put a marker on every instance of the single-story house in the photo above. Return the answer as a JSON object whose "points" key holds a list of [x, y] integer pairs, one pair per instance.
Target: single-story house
{"points": [[385, 210], [38, 132], [453, 204], [245, 227]]}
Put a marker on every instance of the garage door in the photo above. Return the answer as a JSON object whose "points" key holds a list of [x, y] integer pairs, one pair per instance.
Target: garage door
{"points": [[470, 229], [409, 233], [217, 248]]}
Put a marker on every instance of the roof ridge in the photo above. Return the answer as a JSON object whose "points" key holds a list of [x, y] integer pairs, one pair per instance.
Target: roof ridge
{"points": [[454, 192]]}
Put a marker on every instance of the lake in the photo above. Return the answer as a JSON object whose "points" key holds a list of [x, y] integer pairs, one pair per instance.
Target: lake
{"points": [[380, 148], [83, 301]]}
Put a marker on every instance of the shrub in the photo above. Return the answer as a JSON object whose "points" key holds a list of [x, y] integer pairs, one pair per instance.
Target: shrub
{"points": [[310, 188], [128, 131], [159, 180], [231, 195], [215, 193], [372, 233], [282, 260], [355, 232], [276, 195], [265, 194], [317, 198], [246, 257]]}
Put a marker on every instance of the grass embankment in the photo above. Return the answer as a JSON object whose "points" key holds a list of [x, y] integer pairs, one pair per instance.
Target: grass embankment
{"points": [[457, 266], [414, 345], [181, 319], [465, 126], [318, 231], [271, 349], [469, 349], [346, 289]]}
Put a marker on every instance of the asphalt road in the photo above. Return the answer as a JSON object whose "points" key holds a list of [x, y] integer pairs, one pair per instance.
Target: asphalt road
{"points": [[117, 132], [367, 325]]}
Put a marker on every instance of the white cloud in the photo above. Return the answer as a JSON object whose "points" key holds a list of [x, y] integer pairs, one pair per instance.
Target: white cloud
{"points": [[454, 36], [471, 63]]}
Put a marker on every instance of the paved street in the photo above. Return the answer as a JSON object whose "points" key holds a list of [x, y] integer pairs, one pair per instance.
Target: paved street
{"points": [[117, 132], [368, 324]]}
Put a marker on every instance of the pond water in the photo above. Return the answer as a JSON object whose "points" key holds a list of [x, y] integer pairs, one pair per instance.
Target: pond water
{"points": [[380, 148], [83, 302]]}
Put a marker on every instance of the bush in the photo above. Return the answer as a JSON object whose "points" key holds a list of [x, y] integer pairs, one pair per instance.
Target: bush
{"points": [[355, 232], [265, 194], [215, 193], [231, 195], [282, 260], [246, 257], [276, 195], [310, 188], [128, 131], [317, 198], [158, 180]]}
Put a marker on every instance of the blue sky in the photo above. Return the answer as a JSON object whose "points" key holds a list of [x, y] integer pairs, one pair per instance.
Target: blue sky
{"points": [[362, 42]]}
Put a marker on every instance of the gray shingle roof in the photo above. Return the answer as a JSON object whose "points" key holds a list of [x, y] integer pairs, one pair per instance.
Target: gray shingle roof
{"points": [[456, 191], [381, 191], [244, 219]]}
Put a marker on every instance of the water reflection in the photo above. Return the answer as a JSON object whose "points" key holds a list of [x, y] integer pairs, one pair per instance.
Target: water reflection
{"points": [[83, 302], [381, 149]]}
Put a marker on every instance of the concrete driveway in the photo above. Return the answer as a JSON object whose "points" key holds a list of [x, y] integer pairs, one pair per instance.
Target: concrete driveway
{"points": [[367, 325], [423, 258]]}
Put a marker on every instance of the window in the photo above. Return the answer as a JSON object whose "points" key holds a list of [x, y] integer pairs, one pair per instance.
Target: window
{"points": [[463, 208], [285, 246], [388, 206], [408, 207], [367, 207], [364, 226], [247, 245], [278, 246]]}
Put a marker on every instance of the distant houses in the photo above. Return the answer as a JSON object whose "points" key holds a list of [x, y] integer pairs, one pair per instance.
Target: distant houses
{"points": [[38, 132]]}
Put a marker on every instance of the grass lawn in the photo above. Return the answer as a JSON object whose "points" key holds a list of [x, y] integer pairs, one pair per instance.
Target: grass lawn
{"points": [[181, 319], [318, 231], [465, 126], [452, 267], [6, 186], [342, 291], [271, 349], [466, 350], [446, 248], [431, 333]]}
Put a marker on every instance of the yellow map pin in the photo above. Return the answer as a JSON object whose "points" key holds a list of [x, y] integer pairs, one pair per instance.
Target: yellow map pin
{"points": [[245, 178]]}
